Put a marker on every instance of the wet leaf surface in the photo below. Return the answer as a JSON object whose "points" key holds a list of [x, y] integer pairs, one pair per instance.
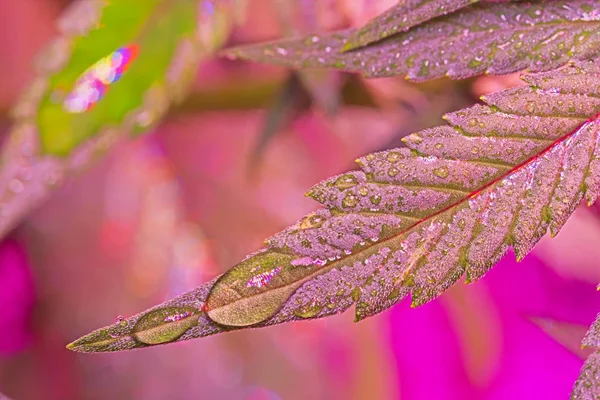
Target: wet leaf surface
{"points": [[415, 220]]}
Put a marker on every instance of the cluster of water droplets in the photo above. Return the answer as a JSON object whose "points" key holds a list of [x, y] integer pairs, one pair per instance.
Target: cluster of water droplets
{"points": [[500, 38], [263, 278], [91, 86]]}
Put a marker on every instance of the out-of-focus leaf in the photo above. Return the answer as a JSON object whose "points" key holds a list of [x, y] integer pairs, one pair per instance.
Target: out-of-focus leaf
{"points": [[291, 101], [324, 88], [402, 17], [302, 88], [587, 386], [414, 220], [490, 38], [114, 69], [117, 63], [567, 334]]}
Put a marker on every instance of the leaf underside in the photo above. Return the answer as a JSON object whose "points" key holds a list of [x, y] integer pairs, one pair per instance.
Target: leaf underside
{"points": [[412, 220], [493, 38], [587, 386]]}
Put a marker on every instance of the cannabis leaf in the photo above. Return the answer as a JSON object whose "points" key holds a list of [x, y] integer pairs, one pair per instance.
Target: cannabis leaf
{"points": [[494, 38], [587, 386], [114, 69], [402, 17], [414, 220]]}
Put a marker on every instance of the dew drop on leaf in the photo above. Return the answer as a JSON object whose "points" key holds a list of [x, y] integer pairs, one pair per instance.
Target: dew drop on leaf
{"points": [[375, 199], [164, 324], [394, 156], [346, 181], [91, 86], [350, 201], [263, 278], [530, 107], [312, 221], [441, 172], [309, 311]]}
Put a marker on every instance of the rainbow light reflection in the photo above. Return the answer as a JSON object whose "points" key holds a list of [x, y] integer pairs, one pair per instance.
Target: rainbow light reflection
{"points": [[94, 82]]}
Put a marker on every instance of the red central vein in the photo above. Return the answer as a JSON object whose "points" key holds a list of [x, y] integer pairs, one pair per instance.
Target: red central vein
{"points": [[494, 181], [471, 196]]}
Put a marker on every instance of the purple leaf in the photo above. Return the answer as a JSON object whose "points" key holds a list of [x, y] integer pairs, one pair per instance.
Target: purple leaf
{"points": [[402, 17], [494, 38], [412, 221], [587, 385]]}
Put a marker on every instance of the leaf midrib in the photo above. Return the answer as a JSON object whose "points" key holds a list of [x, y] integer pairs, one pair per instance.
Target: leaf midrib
{"points": [[376, 246]]}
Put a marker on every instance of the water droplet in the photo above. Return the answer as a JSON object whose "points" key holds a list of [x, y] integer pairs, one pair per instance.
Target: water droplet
{"points": [[439, 146], [414, 138], [475, 150], [441, 172], [345, 181], [309, 311], [312, 221], [392, 172], [119, 319], [263, 278], [530, 107], [394, 156], [350, 201], [375, 199], [91, 86], [319, 262], [363, 191], [164, 324]]}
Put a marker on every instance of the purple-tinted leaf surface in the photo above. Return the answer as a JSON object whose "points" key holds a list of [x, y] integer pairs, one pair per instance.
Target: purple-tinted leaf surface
{"points": [[587, 386], [402, 17], [494, 38], [412, 221]]}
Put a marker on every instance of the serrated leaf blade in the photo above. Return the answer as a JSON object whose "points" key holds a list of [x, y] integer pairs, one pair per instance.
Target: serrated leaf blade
{"points": [[587, 386], [413, 221], [400, 18], [493, 38]]}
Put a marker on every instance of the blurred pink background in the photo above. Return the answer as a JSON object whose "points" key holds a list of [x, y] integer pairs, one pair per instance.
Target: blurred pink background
{"points": [[165, 212]]}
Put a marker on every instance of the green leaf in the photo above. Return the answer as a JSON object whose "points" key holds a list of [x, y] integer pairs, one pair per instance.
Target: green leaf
{"points": [[55, 134], [415, 220], [496, 38], [156, 28]]}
